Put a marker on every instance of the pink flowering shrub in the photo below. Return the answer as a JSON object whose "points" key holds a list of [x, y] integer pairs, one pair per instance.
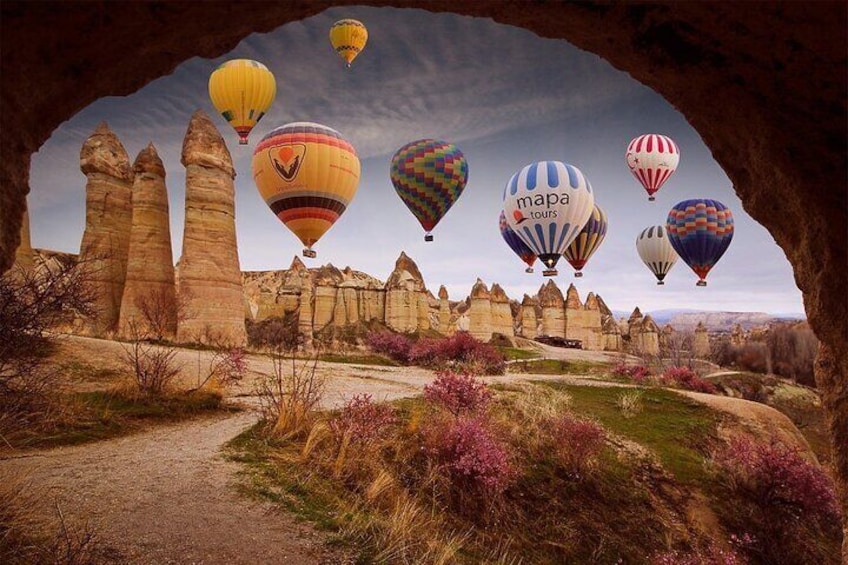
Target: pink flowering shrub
{"points": [[637, 373], [362, 420], [458, 394], [714, 555], [778, 479], [460, 351], [686, 378], [392, 345], [471, 457], [576, 443]]}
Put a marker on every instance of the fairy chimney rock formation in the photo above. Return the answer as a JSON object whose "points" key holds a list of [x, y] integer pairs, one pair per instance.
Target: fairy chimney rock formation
{"points": [[553, 313], [648, 337], [634, 324], [24, 254], [108, 221], [480, 312], [501, 312], [737, 337], [612, 335], [406, 300], [529, 318], [582, 322], [701, 343], [210, 277], [444, 311], [149, 304]]}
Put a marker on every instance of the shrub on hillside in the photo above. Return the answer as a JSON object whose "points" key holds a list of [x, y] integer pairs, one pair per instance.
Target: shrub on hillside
{"points": [[473, 461], [713, 555], [637, 373], [460, 351], [392, 345], [576, 443], [362, 420], [776, 476], [686, 378], [458, 394]]}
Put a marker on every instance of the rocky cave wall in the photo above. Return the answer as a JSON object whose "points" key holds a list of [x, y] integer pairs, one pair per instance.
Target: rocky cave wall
{"points": [[764, 84]]}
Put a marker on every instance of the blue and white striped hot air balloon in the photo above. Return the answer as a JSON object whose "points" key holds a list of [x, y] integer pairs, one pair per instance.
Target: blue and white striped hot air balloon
{"points": [[547, 204]]}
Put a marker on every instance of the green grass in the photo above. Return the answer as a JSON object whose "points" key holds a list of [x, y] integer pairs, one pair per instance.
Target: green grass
{"points": [[99, 415], [514, 353], [558, 367], [678, 430], [366, 359]]}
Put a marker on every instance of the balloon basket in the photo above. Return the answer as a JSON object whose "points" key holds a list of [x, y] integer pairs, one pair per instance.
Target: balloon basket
{"points": [[577, 274], [660, 283], [529, 270], [701, 282], [309, 253], [242, 141], [651, 199], [428, 237], [550, 272]]}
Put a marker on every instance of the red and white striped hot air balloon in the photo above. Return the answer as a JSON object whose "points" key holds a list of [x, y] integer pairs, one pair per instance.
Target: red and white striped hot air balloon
{"points": [[652, 158]]}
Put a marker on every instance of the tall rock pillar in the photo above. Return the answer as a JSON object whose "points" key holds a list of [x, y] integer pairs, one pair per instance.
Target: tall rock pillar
{"points": [[108, 220], [701, 343], [480, 312], [444, 311], [553, 311], [529, 320], [150, 301], [210, 290], [304, 313]]}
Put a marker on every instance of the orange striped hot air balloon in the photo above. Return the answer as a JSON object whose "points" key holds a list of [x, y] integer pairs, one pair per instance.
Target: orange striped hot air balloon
{"points": [[307, 174]]}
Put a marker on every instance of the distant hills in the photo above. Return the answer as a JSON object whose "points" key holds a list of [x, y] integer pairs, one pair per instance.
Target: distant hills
{"points": [[686, 319]]}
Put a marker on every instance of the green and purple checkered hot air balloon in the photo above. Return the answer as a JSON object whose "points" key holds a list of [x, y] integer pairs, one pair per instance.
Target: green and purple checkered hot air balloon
{"points": [[429, 175]]}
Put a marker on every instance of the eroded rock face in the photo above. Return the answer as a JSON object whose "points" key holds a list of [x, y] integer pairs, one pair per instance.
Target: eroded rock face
{"points": [[24, 253], [502, 322], [406, 299], [210, 276], [647, 340], [612, 335], [108, 221], [444, 312], [724, 66], [529, 319], [480, 312], [150, 267], [553, 312]]}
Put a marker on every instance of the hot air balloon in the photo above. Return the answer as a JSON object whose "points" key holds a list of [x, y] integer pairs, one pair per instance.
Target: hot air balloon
{"points": [[547, 204], [587, 241], [348, 38], [655, 249], [516, 244], [652, 158], [700, 230], [429, 176], [307, 174], [242, 91]]}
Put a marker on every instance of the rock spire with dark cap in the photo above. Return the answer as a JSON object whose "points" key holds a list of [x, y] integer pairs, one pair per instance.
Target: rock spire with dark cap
{"points": [[210, 278], [108, 221]]}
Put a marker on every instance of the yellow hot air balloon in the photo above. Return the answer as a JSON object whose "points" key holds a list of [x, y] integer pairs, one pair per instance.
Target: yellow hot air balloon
{"points": [[307, 174], [242, 91], [348, 38]]}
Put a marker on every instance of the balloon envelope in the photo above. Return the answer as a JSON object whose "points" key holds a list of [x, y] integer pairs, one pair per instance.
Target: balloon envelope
{"points": [[656, 252], [652, 158], [700, 230], [307, 174], [516, 243], [587, 241], [242, 90], [348, 38], [547, 204], [429, 175]]}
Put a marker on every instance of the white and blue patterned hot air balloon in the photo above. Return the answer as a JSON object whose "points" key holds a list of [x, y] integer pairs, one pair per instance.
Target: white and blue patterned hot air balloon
{"points": [[547, 204]]}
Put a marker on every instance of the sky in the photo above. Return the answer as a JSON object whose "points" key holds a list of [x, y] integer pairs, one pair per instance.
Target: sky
{"points": [[503, 95]]}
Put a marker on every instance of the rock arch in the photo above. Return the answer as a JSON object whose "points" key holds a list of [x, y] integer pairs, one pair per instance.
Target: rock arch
{"points": [[764, 84]]}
